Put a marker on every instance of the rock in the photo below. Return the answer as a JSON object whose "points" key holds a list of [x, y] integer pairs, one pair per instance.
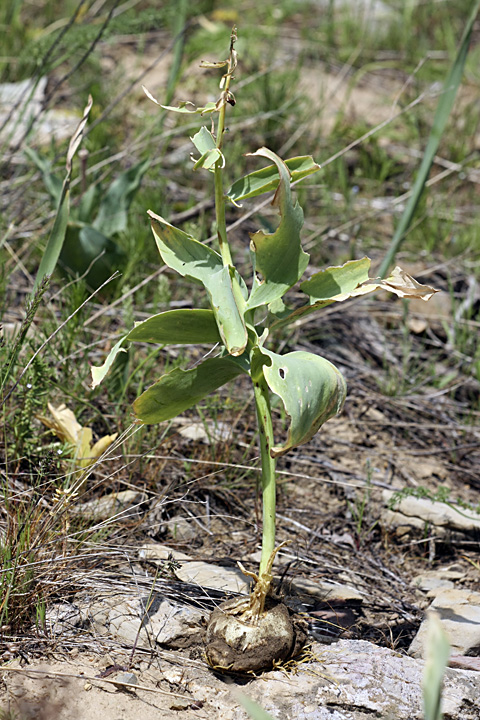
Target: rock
{"points": [[459, 612], [413, 513], [206, 432], [123, 680], [62, 618], [123, 504], [157, 552], [214, 576], [326, 590], [181, 529], [22, 103], [129, 620], [431, 582], [349, 680]]}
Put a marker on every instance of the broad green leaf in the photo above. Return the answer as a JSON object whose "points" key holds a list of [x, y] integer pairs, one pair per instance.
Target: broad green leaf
{"points": [[437, 652], [278, 256], [225, 304], [179, 390], [337, 281], [336, 284], [266, 179], [99, 372], [57, 236], [52, 182], [88, 249], [203, 140], [446, 102], [193, 259], [87, 203], [311, 388], [113, 212], [179, 327]]}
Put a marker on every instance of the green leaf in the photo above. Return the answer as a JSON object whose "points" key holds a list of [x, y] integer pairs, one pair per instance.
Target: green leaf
{"points": [[52, 182], [57, 236], [337, 281], [436, 661], [99, 372], [311, 388], [278, 256], [113, 212], [266, 179], [208, 160], [87, 203], [445, 104], [179, 390], [193, 259], [179, 327], [85, 248], [206, 146]]}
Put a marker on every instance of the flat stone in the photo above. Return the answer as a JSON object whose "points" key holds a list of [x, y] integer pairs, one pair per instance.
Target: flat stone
{"points": [[205, 575], [181, 529], [325, 590], [431, 582], [156, 551], [459, 612], [123, 504], [414, 513], [349, 680], [145, 621]]}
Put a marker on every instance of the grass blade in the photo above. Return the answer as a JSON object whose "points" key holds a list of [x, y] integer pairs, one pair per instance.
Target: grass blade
{"points": [[444, 107], [57, 236]]}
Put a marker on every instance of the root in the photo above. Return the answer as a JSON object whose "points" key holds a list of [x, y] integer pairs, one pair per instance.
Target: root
{"points": [[255, 605]]}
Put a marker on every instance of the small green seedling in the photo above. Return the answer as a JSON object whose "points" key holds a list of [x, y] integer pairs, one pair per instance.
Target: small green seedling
{"points": [[241, 322]]}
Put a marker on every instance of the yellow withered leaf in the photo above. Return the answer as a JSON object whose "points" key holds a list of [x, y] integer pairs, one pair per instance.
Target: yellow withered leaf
{"points": [[66, 427]]}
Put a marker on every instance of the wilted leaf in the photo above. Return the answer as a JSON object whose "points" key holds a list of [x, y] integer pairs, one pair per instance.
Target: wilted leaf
{"points": [[179, 327], [278, 256], [65, 425], [310, 387], [405, 286], [336, 284], [193, 259], [179, 390], [266, 179], [182, 107]]}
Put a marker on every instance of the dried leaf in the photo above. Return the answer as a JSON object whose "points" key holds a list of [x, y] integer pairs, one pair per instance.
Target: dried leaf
{"points": [[65, 425]]}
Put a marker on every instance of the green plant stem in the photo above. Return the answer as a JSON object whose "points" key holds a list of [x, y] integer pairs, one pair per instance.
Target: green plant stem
{"points": [[265, 426], [219, 194], [220, 215]]}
